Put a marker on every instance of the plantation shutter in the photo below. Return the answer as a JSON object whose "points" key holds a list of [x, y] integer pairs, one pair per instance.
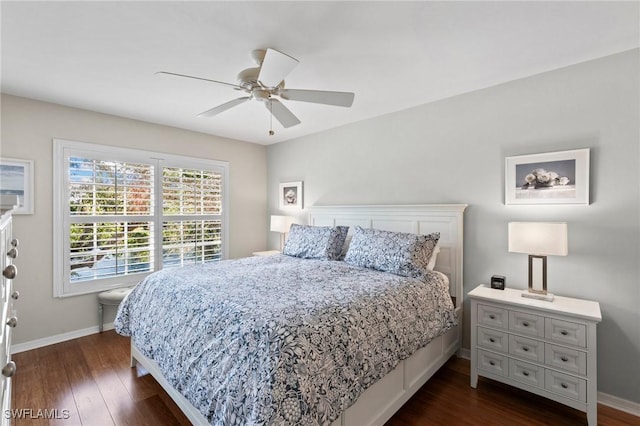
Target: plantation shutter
{"points": [[111, 208], [191, 216]]}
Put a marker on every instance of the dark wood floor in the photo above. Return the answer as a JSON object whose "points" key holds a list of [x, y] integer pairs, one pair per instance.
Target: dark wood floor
{"points": [[90, 377]]}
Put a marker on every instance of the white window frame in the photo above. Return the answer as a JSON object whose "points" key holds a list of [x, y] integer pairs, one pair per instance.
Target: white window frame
{"points": [[62, 151]]}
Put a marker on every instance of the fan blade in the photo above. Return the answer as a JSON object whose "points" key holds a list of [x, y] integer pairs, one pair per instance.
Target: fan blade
{"points": [[343, 99], [275, 67], [281, 113], [235, 86], [222, 108]]}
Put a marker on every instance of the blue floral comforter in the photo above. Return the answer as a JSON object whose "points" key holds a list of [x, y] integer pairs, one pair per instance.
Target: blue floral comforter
{"points": [[281, 340]]}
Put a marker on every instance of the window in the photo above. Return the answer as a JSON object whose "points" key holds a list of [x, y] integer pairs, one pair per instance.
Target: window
{"points": [[120, 214], [191, 225]]}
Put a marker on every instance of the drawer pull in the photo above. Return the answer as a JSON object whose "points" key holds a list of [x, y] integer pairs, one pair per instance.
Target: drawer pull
{"points": [[525, 348], [492, 362], [492, 316], [564, 385], [525, 373], [525, 324], [564, 358], [564, 332], [12, 322], [15, 295], [9, 369], [13, 253], [492, 340], [10, 272], [15, 242]]}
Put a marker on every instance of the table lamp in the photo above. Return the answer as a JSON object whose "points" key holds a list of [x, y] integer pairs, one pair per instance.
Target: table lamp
{"points": [[538, 240], [281, 224]]}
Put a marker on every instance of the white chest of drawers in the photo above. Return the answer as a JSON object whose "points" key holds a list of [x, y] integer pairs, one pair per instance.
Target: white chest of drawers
{"points": [[8, 252], [547, 348]]}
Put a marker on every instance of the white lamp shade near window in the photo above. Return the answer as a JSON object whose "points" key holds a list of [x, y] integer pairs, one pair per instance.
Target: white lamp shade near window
{"points": [[539, 238], [281, 223]]}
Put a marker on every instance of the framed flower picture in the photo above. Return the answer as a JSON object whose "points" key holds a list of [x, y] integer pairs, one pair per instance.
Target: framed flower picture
{"points": [[549, 178], [290, 195]]}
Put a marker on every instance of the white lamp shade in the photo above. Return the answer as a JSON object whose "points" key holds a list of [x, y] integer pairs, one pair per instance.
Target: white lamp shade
{"points": [[281, 223], [539, 238]]}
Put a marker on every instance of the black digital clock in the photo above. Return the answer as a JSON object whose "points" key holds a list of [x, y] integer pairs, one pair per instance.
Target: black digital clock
{"points": [[498, 282]]}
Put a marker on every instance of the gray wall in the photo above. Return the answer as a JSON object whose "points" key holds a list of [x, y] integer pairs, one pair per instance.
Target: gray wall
{"points": [[453, 151], [28, 128]]}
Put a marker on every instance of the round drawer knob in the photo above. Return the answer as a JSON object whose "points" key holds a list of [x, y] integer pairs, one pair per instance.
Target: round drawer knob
{"points": [[492, 362], [15, 242], [492, 316], [10, 272], [564, 332], [12, 322], [9, 369], [525, 324], [564, 385], [525, 373], [525, 348], [15, 295], [13, 253], [492, 340], [564, 358]]}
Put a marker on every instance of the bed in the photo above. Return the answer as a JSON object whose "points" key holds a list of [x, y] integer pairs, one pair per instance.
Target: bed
{"points": [[280, 339]]}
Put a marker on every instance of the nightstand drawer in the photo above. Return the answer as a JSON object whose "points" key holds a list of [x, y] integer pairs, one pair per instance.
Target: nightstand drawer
{"points": [[527, 373], [566, 332], [566, 385], [532, 350], [493, 317], [493, 339], [494, 363], [568, 359], [520, 322]]}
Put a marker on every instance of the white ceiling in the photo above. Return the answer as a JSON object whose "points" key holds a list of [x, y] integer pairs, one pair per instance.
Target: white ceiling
{"points": [[102, 56]]}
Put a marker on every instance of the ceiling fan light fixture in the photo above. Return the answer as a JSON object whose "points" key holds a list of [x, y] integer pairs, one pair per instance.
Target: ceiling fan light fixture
{"points": [[261, 94], [248, 77], [266, 83]]}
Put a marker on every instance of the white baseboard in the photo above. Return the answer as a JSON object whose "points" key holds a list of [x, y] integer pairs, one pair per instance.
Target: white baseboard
{"points": [[59, 338], [464, 353], [619, 403]]}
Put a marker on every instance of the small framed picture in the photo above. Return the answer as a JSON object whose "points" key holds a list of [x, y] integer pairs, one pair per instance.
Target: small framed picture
{"points": [[549, 178], [290, 195], [16, 178]]}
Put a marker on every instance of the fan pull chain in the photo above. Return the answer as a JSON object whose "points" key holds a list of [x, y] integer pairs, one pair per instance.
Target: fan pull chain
{"points": [[271, 132]]}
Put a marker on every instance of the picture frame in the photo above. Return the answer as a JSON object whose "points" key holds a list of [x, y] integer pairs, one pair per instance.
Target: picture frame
{"points": [[549, 178], [290, 195], [16, 178]]}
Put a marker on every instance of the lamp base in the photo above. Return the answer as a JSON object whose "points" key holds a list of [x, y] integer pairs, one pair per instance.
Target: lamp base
{"points": [[548, 297]]}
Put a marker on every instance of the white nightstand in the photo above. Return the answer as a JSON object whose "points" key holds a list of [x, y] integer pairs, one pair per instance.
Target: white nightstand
{"points": [[266, 253], [547, 348]]}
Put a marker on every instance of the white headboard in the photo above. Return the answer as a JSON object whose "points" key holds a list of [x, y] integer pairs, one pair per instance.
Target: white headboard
{"points": [[418, 219]]}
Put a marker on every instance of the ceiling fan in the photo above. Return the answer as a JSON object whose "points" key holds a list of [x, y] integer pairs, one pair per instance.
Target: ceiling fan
{"points": [[265, 83]]}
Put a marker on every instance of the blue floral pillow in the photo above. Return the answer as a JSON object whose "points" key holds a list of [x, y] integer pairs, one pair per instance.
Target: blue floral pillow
{"points": [[315, 242], [395, 252]]}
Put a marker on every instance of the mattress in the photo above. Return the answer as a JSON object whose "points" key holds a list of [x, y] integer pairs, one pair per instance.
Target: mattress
{"points": [[281, 340]]}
